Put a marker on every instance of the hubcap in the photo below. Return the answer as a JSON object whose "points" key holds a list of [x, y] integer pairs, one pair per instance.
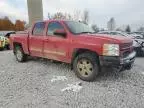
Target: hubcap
{"points": [[84, 67], [19, 54]]}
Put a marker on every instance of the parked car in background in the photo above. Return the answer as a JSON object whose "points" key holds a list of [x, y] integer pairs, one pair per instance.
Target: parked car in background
{"points": [[74, 43], [136, 35], [140, 48], [117, 33], [141, 33], [138, 43], [4, 39]]}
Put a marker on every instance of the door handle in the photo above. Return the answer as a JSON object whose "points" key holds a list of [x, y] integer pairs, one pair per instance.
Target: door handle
{"points": [[46, 40]]}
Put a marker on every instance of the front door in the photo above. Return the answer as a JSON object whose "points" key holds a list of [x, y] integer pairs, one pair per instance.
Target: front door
{"points": [[36, 40], [54, 46]]}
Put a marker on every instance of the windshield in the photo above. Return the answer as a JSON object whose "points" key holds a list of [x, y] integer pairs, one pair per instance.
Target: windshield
{"points": [[78, 27]]}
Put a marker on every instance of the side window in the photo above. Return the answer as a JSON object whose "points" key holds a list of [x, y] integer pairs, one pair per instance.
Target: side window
{"points": [[39, 28], [54, 26]]}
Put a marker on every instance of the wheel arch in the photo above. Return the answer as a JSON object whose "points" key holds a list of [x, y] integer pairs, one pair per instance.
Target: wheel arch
{"points": [[16, 44], [78, 51]]}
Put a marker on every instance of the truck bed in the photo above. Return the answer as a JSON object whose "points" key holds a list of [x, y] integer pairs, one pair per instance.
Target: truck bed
{"points": [[20, 37]]}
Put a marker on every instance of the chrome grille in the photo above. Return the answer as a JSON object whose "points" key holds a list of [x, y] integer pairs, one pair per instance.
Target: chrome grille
{"points": [[125, 54], [126, 49], [124, 46]]}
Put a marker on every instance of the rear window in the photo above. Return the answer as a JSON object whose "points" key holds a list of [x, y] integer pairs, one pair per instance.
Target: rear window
{"points": [[39, 28]]}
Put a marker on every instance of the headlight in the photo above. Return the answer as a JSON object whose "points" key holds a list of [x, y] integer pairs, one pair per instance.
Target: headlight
{"points": [[111, 50]]}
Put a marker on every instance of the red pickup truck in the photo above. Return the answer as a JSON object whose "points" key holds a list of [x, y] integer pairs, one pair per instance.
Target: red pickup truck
{"points": [[75, 43]]}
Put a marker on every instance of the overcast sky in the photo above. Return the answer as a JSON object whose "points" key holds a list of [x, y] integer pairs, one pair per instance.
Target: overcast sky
{"points": [[124, 11]]}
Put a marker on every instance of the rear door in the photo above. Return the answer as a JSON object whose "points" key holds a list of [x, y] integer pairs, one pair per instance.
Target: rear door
{"points": [[36, 39], [55, 46]]}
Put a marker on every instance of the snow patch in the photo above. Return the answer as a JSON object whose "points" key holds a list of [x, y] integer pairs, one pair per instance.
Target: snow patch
{"points": [[73, 87], [58, 78]]}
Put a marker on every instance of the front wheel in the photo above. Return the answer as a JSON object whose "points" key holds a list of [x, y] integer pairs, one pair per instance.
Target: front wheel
{"points": [[86, 66], [19, 54]]}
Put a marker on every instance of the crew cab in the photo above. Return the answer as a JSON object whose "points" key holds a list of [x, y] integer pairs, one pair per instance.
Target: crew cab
{"points": [[74, 43]]}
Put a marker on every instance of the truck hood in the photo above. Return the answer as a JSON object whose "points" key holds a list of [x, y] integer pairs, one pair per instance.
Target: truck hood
{"points": [[108, 38]]}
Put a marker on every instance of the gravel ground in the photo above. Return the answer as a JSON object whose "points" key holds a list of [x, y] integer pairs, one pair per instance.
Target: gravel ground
{"points": [[32, 85]]}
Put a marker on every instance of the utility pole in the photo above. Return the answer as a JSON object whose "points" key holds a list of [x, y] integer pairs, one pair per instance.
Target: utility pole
{"points": [[35, 10]]}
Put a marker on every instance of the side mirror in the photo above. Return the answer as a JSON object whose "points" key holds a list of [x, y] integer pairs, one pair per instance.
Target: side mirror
{"points": [[60, 32]]}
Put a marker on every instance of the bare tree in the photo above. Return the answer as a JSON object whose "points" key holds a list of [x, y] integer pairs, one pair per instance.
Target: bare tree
{"points": [[128, 29], [49, 16], [68, 16], [77, 15], [111, 24], [59, 15], [141, 29], [95, 28], [119, 29], [86, 16]]}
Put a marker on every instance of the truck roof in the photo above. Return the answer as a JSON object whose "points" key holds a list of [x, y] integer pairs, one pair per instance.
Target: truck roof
{"points": [[62, 20], [53, 20]]}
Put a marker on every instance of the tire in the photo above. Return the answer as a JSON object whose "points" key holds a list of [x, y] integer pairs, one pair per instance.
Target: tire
{"points": [[86, 66], [19, 54], [8, 47], [1, 49]]}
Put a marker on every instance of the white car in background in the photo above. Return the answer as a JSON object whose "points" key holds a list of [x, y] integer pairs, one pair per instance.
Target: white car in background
{"points": [[117, 33], [138, 43], [137, 36], [140, 33]]}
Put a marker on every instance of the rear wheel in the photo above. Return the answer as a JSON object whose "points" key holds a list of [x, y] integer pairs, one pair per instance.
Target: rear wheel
{"points": [[8, 47], [1, 49], [86, 66], [19, 54]]}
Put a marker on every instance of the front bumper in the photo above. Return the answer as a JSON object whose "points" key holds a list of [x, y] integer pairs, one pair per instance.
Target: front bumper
{"points": [[117, 61]]}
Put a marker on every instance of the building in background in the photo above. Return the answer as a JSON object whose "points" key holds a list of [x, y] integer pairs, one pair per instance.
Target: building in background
{"points": [[111, 25], [35, 10]]}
